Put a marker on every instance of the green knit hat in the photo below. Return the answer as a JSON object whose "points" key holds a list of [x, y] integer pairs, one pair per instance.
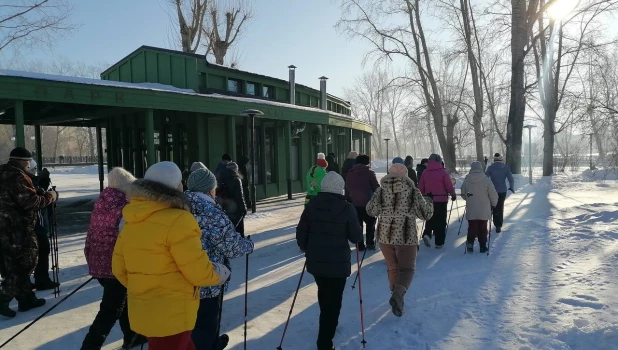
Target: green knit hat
{"points": [[202, 180]]}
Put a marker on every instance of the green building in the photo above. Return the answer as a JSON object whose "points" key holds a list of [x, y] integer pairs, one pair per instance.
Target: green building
{"points": [[157, 104]]}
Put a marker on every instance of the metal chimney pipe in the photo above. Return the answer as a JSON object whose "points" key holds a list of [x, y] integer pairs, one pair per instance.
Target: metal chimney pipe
{"points": [[323, 104], [292, 84]]}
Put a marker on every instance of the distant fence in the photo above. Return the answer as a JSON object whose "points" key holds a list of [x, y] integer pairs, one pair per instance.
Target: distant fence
{"points": [[70, 160]]}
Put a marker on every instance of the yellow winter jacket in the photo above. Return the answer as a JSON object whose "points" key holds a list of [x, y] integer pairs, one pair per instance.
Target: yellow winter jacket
{"points": [[159, 258]]}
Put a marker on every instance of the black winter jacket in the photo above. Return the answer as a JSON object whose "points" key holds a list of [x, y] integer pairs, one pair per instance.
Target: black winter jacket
{"points": [[326, 226], [348, 164], [332, 164], [234, 202], [419, 171]]}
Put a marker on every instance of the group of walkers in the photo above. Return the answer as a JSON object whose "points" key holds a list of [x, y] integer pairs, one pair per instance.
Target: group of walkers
{"points": [[338, 206], [163, 255], [25, 200]]}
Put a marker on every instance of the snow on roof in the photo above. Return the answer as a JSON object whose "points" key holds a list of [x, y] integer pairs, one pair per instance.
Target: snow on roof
{"points": [[99, 82]]}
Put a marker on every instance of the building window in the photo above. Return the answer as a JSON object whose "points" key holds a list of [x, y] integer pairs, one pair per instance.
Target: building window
{"points": [[270, 168], [267, 91], [233, 85], [258, 156], [251, 89]]}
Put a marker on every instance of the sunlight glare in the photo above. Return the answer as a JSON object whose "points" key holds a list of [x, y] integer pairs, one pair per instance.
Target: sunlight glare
{"points": [[561, 9]]}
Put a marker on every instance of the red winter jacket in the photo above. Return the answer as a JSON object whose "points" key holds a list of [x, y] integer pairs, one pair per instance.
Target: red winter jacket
{"points": [[103, 232], [436, 180]]}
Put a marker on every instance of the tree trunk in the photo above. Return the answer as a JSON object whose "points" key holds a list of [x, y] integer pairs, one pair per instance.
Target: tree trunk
{"points": [[450, 155], [548, 143], [430, 132], [93, 146]]}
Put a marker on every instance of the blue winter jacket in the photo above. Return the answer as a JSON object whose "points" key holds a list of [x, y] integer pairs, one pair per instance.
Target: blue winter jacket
{"points": [[499, 172], [219, 237]]}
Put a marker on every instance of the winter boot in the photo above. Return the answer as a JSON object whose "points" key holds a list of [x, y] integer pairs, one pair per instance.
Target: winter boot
{"points": [[46, 285], [484, 248], [30, 303], [396, 300], [427, 241], [470, 247], [224, 339], [362, 247], [498, 229], [6, 311]]}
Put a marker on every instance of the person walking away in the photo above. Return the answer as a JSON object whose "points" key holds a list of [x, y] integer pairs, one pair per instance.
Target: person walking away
{"points": [[243, 161], [314, 177], [100, 240], [225, 158], [332, 163], [437, 183], [348, 164], [480, 196], [19, 203], [222, 242], [41, 228], [398, 203], [420, 168], [409, 163], [326, 226], [360, 185], [499, 172], [230, 197], [159, 258]]}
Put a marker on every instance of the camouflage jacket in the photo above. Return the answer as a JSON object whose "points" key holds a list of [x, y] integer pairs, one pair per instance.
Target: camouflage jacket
{"points": [[19, 203]]}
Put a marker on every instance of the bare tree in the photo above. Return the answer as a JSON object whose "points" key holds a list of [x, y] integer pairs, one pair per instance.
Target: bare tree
{"points": [[224, 26], [33, 22], [190, 20]]}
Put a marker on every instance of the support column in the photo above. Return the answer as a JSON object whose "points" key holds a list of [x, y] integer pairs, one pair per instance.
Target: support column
{"points": [[149, 137], [38, 146], [368, 144], [138, 149], [108, 142], [288, 142], [352, 141], [231, 140], [202, 139], [20, 139], [325, 139], [100, 157], [253, 162], [125, 141]]}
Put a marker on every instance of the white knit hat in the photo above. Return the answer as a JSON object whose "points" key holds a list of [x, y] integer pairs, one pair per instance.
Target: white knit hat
{"points": [[165, 173], [197, 165], [333, 183], [119, 179]]}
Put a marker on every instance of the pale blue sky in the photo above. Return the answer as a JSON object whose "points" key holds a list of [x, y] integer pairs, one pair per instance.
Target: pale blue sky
{"points": [[282, 32]]}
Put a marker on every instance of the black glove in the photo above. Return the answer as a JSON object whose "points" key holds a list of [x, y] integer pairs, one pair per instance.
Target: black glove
{"points": [[454, 197], [512, 190], [430, 195]]}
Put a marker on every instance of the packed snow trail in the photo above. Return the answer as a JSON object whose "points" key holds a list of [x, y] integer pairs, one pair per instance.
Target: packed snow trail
{"points": [[548, 283]]}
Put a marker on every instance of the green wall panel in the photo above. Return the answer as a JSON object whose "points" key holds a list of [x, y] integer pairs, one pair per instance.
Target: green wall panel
{"points": [[216, 82], [163, 69], [179, 73], [125, 72], [138, 68]]}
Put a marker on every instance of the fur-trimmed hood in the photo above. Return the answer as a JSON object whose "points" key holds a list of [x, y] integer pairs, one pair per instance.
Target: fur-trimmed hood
{"points": [[146, 197], [396, 183]]}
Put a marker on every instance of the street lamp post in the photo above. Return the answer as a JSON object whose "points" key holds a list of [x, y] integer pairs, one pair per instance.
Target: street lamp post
{"points": [[387, 163], [251, 113], [529, 127]]}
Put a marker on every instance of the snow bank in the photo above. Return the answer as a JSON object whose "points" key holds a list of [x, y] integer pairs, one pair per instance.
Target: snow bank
{"points": [[600, 174]]}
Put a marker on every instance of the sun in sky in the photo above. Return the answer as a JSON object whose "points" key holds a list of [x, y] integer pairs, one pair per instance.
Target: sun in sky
{"points": [[562, 8]]}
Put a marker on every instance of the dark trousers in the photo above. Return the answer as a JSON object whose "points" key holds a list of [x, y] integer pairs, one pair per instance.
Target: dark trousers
{"points": [[499, 210], [369, 221], [180, 341], [205, 335], [437, 224], [16, 283], [477, 229], [330, 294], [113, 308], [41, 271]]}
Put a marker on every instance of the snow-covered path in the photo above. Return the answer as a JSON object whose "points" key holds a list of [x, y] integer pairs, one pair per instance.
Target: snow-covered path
{"points": [[548, 283]]}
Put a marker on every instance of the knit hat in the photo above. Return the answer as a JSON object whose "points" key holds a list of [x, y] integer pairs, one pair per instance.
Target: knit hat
{"points": [[398, 169], [32, 164], [197, 165], [20, 153], [165, 173], [362, 159], [476, 166], [202, 180], [435, 157], [353, 155], [232, 166], [333, 183], [498, 157], [397, 160], [321, 161], [119, 179]]}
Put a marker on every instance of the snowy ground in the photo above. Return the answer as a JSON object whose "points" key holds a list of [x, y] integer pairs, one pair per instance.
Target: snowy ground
{"points": [[549, 282]]}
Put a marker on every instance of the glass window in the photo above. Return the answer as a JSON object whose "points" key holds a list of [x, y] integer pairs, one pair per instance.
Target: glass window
{"points": [[269, 156], [258, 155], [267, 91], [233, 85], [251, 89]]}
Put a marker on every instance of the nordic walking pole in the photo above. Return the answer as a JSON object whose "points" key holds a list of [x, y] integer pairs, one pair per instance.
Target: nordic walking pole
{"points": [[292, 308], [489, 238], [360, 295], [449, 215], [54, 246], [246, 292], [46, 312], [461, 224], [361, 265]]}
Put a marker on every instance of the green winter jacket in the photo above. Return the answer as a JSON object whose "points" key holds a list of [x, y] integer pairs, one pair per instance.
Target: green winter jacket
{"points": [[314, 181]]}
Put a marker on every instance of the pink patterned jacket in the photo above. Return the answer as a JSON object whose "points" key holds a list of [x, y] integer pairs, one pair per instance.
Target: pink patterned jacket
{"points": [[103, 232]]}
